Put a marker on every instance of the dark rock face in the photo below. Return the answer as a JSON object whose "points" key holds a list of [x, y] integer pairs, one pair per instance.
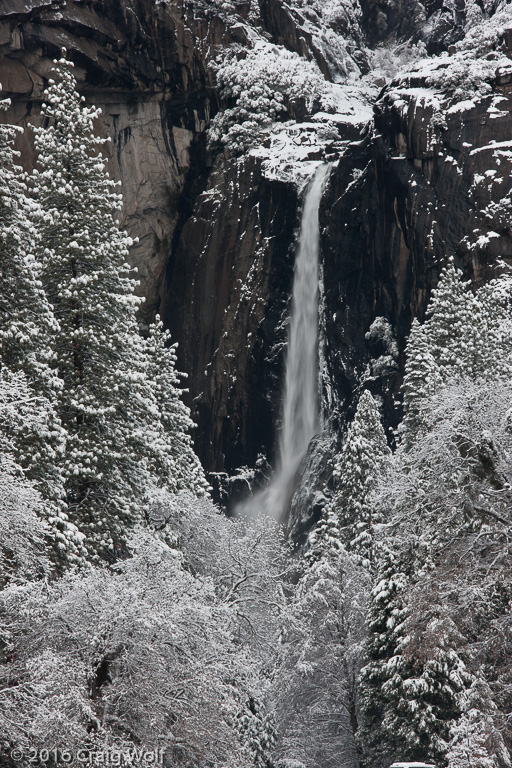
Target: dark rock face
{"points": [[437, 23], [304, 32], [398, 204], [312, 488], [287, 28], [227, 287]]}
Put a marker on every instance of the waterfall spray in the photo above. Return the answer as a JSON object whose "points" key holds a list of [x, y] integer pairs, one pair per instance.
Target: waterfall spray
{"points": [[300, 401]]}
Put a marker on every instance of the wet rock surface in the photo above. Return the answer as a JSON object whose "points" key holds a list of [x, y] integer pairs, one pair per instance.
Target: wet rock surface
{"points": [[227, 290], [424, 184]]}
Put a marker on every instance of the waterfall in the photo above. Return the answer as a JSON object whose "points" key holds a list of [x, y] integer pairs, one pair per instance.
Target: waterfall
{"points": [[300, 402]]}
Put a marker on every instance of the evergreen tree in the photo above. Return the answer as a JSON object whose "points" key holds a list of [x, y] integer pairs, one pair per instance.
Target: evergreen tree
{"points": [[450, 322], [360, 466], [27, 320], [324, 542], [466, 332], [174, 461], [257, 732], [466, 336], [412, 683], [386, 614], [492, 330], [103, 402], [421, 377], [27, 329], [414, 687]]}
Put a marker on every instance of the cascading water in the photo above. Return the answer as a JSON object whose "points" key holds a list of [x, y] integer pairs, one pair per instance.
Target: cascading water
{"points": [[300, 403]]}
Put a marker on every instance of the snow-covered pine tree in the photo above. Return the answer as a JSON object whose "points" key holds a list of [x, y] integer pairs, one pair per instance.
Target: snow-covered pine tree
{"points": [[411, 686], [492, 329], [360, 466], [105, 400], [466, 331], [416, 681], [449, 323], [27, 329], [324, 541], [256, 728], [420, 380], [466, 336], [174, 461], [27, 320], [386, 614]]}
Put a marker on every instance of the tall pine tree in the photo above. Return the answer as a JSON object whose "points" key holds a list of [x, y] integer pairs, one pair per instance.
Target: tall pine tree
{"points": [[27, 329], [449, 323], [119, 402], [103, 400], [360, 466], [173, 459], [421, 377], [411, 685]]}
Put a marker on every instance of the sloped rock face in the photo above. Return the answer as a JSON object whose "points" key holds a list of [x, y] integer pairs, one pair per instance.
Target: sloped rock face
{"points": [[287, 28]]}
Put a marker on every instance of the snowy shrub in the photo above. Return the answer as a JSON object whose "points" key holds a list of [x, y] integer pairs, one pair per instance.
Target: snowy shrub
{"points": [[391, 61], [24, 537], [470, 69], [262, 82], [225, 9], [381, 338], [484, 27], [246, 559]]}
